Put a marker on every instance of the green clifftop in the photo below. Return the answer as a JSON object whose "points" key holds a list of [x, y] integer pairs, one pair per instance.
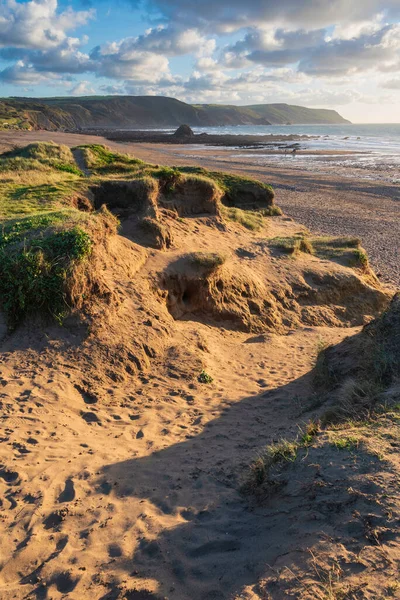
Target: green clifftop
{"points": [[148, 111]]}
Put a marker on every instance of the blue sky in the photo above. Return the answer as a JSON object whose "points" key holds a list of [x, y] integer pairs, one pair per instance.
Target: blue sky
{"points": [[318, 53]]}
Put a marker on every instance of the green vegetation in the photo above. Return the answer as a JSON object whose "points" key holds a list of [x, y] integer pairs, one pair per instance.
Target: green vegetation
{"points": [[43, 235], [151, 111], [68, 169], [12, 117], [252, 220], [207, 260], [237, 188], [272, 211], [293, 245], [45, 152], [103, 161], [345, 250], [364, 392], [204, 377], [345, 442], [168, 178], [34, 276], [274, 455]]}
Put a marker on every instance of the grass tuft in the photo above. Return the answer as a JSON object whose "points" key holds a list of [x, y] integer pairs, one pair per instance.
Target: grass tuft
{"points": [[207, 260], [277, 454], [293, 245], [34, 276], [250, 219]]}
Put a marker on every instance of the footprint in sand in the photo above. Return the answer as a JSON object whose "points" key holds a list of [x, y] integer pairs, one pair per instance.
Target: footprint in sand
{"points": [[54, 520], [68, 494], [88, 397], [114, 550], [8, 475], [13, 503], [64, 582], [90, 417]]}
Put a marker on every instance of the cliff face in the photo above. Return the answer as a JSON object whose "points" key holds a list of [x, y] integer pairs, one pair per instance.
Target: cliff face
{"points": [[154, 111]]}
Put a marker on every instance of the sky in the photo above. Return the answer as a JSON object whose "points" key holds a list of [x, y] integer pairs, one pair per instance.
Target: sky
{"points": [[340, 54]]}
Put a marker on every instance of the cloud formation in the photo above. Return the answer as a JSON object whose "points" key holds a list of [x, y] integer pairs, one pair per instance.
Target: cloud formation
{"points": [[231, 15], [318, 52], [37, 24]]}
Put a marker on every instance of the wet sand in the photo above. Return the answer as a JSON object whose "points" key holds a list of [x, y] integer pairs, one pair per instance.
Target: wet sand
{"points": [[326, 203]]}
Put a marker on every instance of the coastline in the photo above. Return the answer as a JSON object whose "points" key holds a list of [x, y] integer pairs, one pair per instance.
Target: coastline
{"points": [[327, 202]]}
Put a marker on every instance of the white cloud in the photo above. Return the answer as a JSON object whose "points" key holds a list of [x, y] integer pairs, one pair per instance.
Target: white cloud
{"points": [[378, 51], [37, 24], [121, 61], [168, 41], [83, 88], [392, 84], [231, 15], [23, 74], [316, 52]]}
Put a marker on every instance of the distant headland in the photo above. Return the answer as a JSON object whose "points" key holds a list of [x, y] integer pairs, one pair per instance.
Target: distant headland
{"points": [[76, 113]]}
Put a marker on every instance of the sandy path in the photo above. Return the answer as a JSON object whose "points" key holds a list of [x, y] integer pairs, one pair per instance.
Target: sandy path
{"points": [[140, 488], [327, 204]]}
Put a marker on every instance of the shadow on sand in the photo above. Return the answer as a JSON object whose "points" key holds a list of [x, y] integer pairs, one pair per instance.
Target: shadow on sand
{"points": [[222, 542]]}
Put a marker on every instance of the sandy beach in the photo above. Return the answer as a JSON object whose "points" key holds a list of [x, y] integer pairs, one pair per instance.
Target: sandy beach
{"points": [[127, 433], [336, 201]]}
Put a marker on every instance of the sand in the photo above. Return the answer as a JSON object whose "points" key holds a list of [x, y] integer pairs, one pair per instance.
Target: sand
{"points": [[327, 203], [128, 488]]}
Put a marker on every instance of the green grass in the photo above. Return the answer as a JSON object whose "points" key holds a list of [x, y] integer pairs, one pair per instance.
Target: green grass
{"points": [[45, 152], [68, 169], [364, 389], [293, 245], [103, 161], [207, 260], [276, 454], [33, 277], [43, 237], [204, 377], [249, 219], [25, 199], [346, 250], [345, 442], [232, 185]]}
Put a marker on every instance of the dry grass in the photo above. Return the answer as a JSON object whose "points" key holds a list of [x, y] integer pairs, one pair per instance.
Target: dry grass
{"points": [[252, 220], [299, 243], [259, 478], [210, 261]]}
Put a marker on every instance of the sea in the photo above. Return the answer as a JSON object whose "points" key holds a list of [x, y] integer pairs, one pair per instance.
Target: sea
{"points": [[368, 150]]}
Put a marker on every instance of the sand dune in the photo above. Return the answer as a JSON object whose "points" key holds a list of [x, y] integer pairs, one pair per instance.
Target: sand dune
{"points": [[121, 471]]}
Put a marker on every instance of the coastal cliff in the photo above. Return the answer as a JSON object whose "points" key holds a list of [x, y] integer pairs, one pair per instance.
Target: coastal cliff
{"points": [[148, 111]]}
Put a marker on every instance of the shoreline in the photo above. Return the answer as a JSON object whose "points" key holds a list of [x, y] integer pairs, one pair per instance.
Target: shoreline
{"points": [[326, 203]]}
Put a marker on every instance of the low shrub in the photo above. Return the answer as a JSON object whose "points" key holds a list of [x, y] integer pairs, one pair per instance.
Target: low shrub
{"points": [[34, 277], [204, 377]]}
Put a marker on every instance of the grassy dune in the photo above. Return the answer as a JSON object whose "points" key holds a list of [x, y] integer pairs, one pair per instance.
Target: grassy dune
{"points": [[218, 416]]}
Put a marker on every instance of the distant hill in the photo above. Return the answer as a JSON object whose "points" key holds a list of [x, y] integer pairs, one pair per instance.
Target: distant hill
{"points": [[148, 111]]}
